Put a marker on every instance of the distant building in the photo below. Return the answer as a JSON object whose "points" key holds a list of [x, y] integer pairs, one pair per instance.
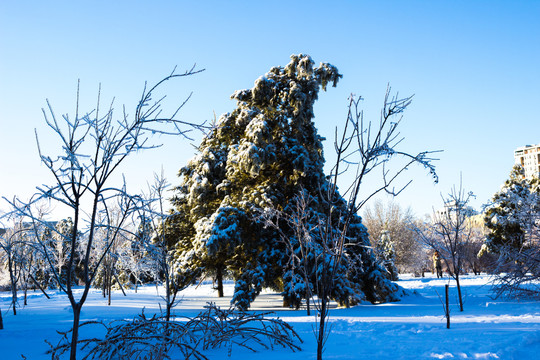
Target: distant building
{"points": [[529, 157]]}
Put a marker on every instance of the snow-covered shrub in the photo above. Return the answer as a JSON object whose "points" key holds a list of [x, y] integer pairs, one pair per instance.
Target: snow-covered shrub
{"points": [[156, 338], [143, 338]]}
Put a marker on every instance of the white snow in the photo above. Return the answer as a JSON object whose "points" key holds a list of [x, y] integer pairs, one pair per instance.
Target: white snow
{"points": [[411, 329]]}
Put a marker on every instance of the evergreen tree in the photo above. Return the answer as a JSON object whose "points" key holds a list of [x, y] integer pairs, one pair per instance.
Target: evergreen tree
{"points": [[514, 236], [260, 156], [511, 217]]}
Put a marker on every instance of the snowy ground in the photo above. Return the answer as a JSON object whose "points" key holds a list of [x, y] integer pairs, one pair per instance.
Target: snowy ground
{"points": [[411, 329]]}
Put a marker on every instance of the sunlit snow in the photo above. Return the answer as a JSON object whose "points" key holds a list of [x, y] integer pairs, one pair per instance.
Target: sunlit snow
{"points": [[411, 329]]}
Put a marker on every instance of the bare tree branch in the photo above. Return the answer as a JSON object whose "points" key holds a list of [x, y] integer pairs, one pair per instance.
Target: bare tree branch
{"points": [[92, 148]]}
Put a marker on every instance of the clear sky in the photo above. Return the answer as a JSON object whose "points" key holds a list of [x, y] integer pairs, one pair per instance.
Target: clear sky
{"points": [[473, 67]]}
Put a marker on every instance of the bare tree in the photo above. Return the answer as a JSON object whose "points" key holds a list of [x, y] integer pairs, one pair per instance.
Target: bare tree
{"points": [[134, 263], [361, 149], [25, 258], [364, 149], [93, 146], [157, 248], [303, 255], [473, 262], [19, 255], [59, 245], [12, 244], [451, 234], [104, 236], [391, 217]]}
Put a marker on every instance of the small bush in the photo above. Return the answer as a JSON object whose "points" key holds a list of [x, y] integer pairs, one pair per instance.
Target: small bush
{"points": [[156, 339]]}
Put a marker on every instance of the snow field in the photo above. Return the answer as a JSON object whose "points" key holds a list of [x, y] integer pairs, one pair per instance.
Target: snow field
{"points": [[413, 328]]}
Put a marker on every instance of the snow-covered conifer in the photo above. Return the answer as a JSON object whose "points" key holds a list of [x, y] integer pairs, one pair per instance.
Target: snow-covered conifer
{"points": [[261, 156], [513, 222], [513, 214]]}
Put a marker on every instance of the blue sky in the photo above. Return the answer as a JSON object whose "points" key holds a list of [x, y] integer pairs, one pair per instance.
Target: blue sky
{"points": [[473, 67]]}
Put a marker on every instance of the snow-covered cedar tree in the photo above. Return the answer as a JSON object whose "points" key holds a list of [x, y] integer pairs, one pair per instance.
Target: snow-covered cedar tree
{"points": [[511, 217], [261, 155]]}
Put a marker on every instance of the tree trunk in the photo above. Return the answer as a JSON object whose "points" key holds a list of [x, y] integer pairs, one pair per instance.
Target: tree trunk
{"points": [[322, 327], [447, 307], [39, 286], [459, 293], [109, 284], [13, 286], [168, 312], [168, 298], [104, 281], [119, 284], [1, 321], [14, 298], [219, 279], [25, 293], [109, 295], [286, 303], [75, 331]]}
